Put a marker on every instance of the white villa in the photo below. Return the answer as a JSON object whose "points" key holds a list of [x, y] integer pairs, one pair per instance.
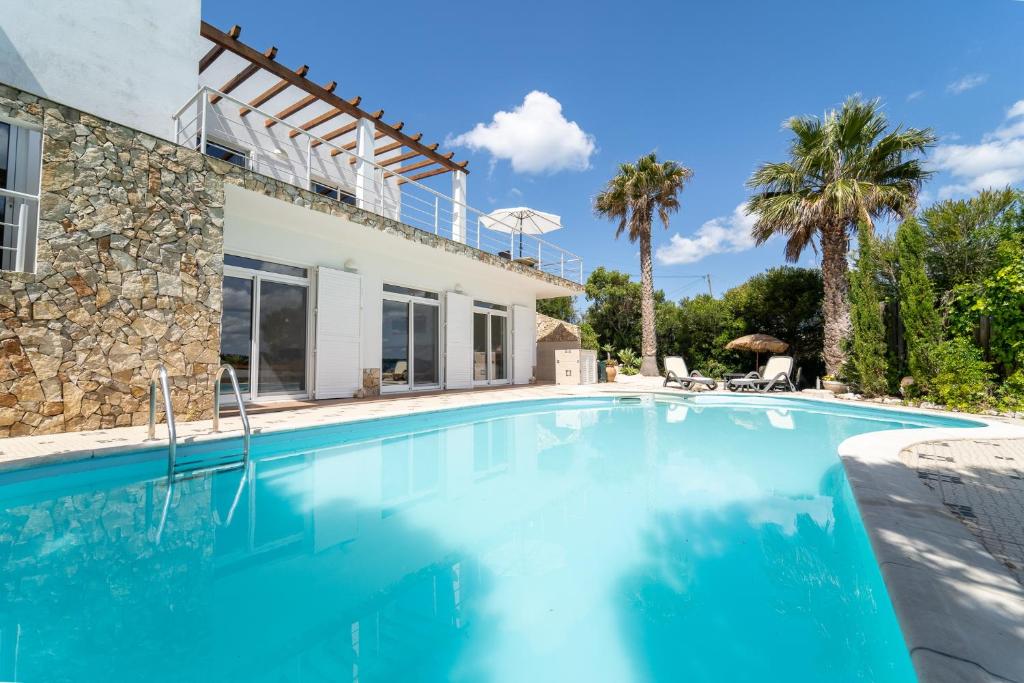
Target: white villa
{"points": [[173, 196]]}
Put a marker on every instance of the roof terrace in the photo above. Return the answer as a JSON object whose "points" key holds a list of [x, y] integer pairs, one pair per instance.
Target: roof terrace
{"points": [[252, 111]]}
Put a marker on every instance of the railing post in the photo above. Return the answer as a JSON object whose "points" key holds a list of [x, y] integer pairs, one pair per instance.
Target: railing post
{"points": [[381, 171], [437, 214], [309, 163], [459, 206], [202, 123], [478, 233], [19, 255], [561, 259]]}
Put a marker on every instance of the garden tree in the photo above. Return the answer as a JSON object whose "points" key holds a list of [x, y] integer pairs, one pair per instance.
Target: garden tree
{"points": [[561, 307], [588, 338], [614, 311], [698, 329], [634, 197], [962, 236], [921, 319], [785, 302], [1000, 296], [844, 168], [868, 349]]}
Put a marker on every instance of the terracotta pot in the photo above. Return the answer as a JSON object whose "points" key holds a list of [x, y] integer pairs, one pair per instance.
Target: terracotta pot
{"points": [[612, 371]]}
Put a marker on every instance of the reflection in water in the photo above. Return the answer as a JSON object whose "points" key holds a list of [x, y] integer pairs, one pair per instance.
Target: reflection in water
{"points": [[641, 543]]}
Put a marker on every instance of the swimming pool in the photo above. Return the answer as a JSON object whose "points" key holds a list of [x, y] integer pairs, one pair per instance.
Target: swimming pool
{"points": [[703, 539]]}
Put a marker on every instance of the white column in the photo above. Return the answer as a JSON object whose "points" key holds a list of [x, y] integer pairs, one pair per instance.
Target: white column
{"points": [[366, 192], [459, 206]]}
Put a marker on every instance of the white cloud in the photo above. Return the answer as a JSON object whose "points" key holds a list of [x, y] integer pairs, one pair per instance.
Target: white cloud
{"points": [[997, 161], [968, 82], [535, 137], [723, 234], [917, 94]]}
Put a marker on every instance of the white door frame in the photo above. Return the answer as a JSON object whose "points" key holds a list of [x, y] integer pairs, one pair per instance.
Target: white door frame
{"points": [[256, 277], [409, 300], [487, 358]]}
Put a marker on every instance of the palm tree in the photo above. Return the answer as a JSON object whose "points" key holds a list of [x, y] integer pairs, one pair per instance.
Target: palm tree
{"points": [[844, 168], [633, 197]]}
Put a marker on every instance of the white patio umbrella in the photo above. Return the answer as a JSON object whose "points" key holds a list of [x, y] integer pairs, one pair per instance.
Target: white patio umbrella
{"points": [[523, 220]]}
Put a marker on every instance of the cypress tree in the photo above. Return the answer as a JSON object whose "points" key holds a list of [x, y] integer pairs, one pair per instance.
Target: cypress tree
{"points": [[868, 349], [921, 320]]}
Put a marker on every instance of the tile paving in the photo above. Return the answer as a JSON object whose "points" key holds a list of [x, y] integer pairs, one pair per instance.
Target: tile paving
{"points": [[982, 483]]}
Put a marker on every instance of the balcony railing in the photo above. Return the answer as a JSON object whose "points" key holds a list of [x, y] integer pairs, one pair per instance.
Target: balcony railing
{"points": [[301, 158]]}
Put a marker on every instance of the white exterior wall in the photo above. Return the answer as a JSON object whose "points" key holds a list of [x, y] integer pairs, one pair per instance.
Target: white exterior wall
{"points": [[273, 230], [130, 61]]}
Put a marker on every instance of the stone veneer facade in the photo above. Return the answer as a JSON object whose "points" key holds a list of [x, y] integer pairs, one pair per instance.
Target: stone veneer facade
{"points": [[129, 273]]}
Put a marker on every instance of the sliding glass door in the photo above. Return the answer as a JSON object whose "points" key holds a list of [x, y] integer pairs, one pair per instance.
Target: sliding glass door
{"points": [[410, 339], [490, 343], [265, 328]]}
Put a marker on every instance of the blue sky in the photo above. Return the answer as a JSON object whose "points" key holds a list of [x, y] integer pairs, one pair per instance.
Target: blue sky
{"points": [[705, 83]]}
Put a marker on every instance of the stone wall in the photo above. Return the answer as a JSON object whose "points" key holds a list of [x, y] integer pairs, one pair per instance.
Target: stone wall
{"points": [[128, 275]]}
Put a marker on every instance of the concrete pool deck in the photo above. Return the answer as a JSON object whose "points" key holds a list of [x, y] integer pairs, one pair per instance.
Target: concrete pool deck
{"points": [[961, 610]]}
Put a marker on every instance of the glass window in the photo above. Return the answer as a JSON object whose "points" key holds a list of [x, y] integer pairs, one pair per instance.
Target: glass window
{"points": [[325, 190], [498, 326], [479, 347], [408, 291], [236, 332], [225, 153], [265, 266], [493, 307], [20, 166], [282, 357], [425, 344], [395, 343]]}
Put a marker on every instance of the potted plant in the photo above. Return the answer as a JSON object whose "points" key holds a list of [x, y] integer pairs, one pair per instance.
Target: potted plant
{"points": [[610, 366], [834, 384], [611, 369]]}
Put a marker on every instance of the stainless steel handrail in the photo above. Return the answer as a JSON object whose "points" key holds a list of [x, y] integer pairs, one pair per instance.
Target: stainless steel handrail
{"points": [[160, 373], [241, 407]]}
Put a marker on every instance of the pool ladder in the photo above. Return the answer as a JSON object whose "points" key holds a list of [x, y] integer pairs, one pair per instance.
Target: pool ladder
{"points": [[160, 377]]}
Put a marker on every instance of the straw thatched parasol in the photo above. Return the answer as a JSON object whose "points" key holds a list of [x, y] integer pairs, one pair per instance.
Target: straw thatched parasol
{"points": [[758, 343]]}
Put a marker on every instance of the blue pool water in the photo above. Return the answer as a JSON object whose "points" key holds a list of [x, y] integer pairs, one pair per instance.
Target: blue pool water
{"points": [[579, 540]]}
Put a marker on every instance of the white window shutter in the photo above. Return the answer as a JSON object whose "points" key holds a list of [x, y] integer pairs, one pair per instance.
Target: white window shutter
{"points": [[524, 343], [339, 371], [458, 341]]}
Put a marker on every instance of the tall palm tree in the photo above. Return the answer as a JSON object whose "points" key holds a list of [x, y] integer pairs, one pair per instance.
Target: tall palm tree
{"points": [[633, 197], [844, 168]]}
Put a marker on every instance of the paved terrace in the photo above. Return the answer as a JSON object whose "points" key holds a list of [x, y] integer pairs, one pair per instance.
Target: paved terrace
{"points": [[942, 507]]}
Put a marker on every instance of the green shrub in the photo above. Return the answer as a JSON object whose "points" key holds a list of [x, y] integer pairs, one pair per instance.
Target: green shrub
{"points": [[629, 362], [962, 379], [713, 368], [1010, 394], [588, 338]]}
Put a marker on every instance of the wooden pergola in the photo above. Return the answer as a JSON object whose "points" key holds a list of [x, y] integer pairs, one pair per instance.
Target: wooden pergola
{"points": [[259, 80]]}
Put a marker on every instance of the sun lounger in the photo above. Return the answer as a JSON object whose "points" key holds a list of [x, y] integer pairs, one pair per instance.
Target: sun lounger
{"points": [[776, 377], [675, 371]]}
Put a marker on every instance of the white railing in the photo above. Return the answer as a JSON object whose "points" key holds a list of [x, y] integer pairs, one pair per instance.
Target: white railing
{"points": [[14, 247], [295, 156]]}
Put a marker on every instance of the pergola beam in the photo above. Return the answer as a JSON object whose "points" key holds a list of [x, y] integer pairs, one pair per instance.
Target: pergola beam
{"points": [[419, 164], [272, 92], [242, 76], [296, 107], [217, 50], [426, 174], [316, 121], [224, 40]]}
